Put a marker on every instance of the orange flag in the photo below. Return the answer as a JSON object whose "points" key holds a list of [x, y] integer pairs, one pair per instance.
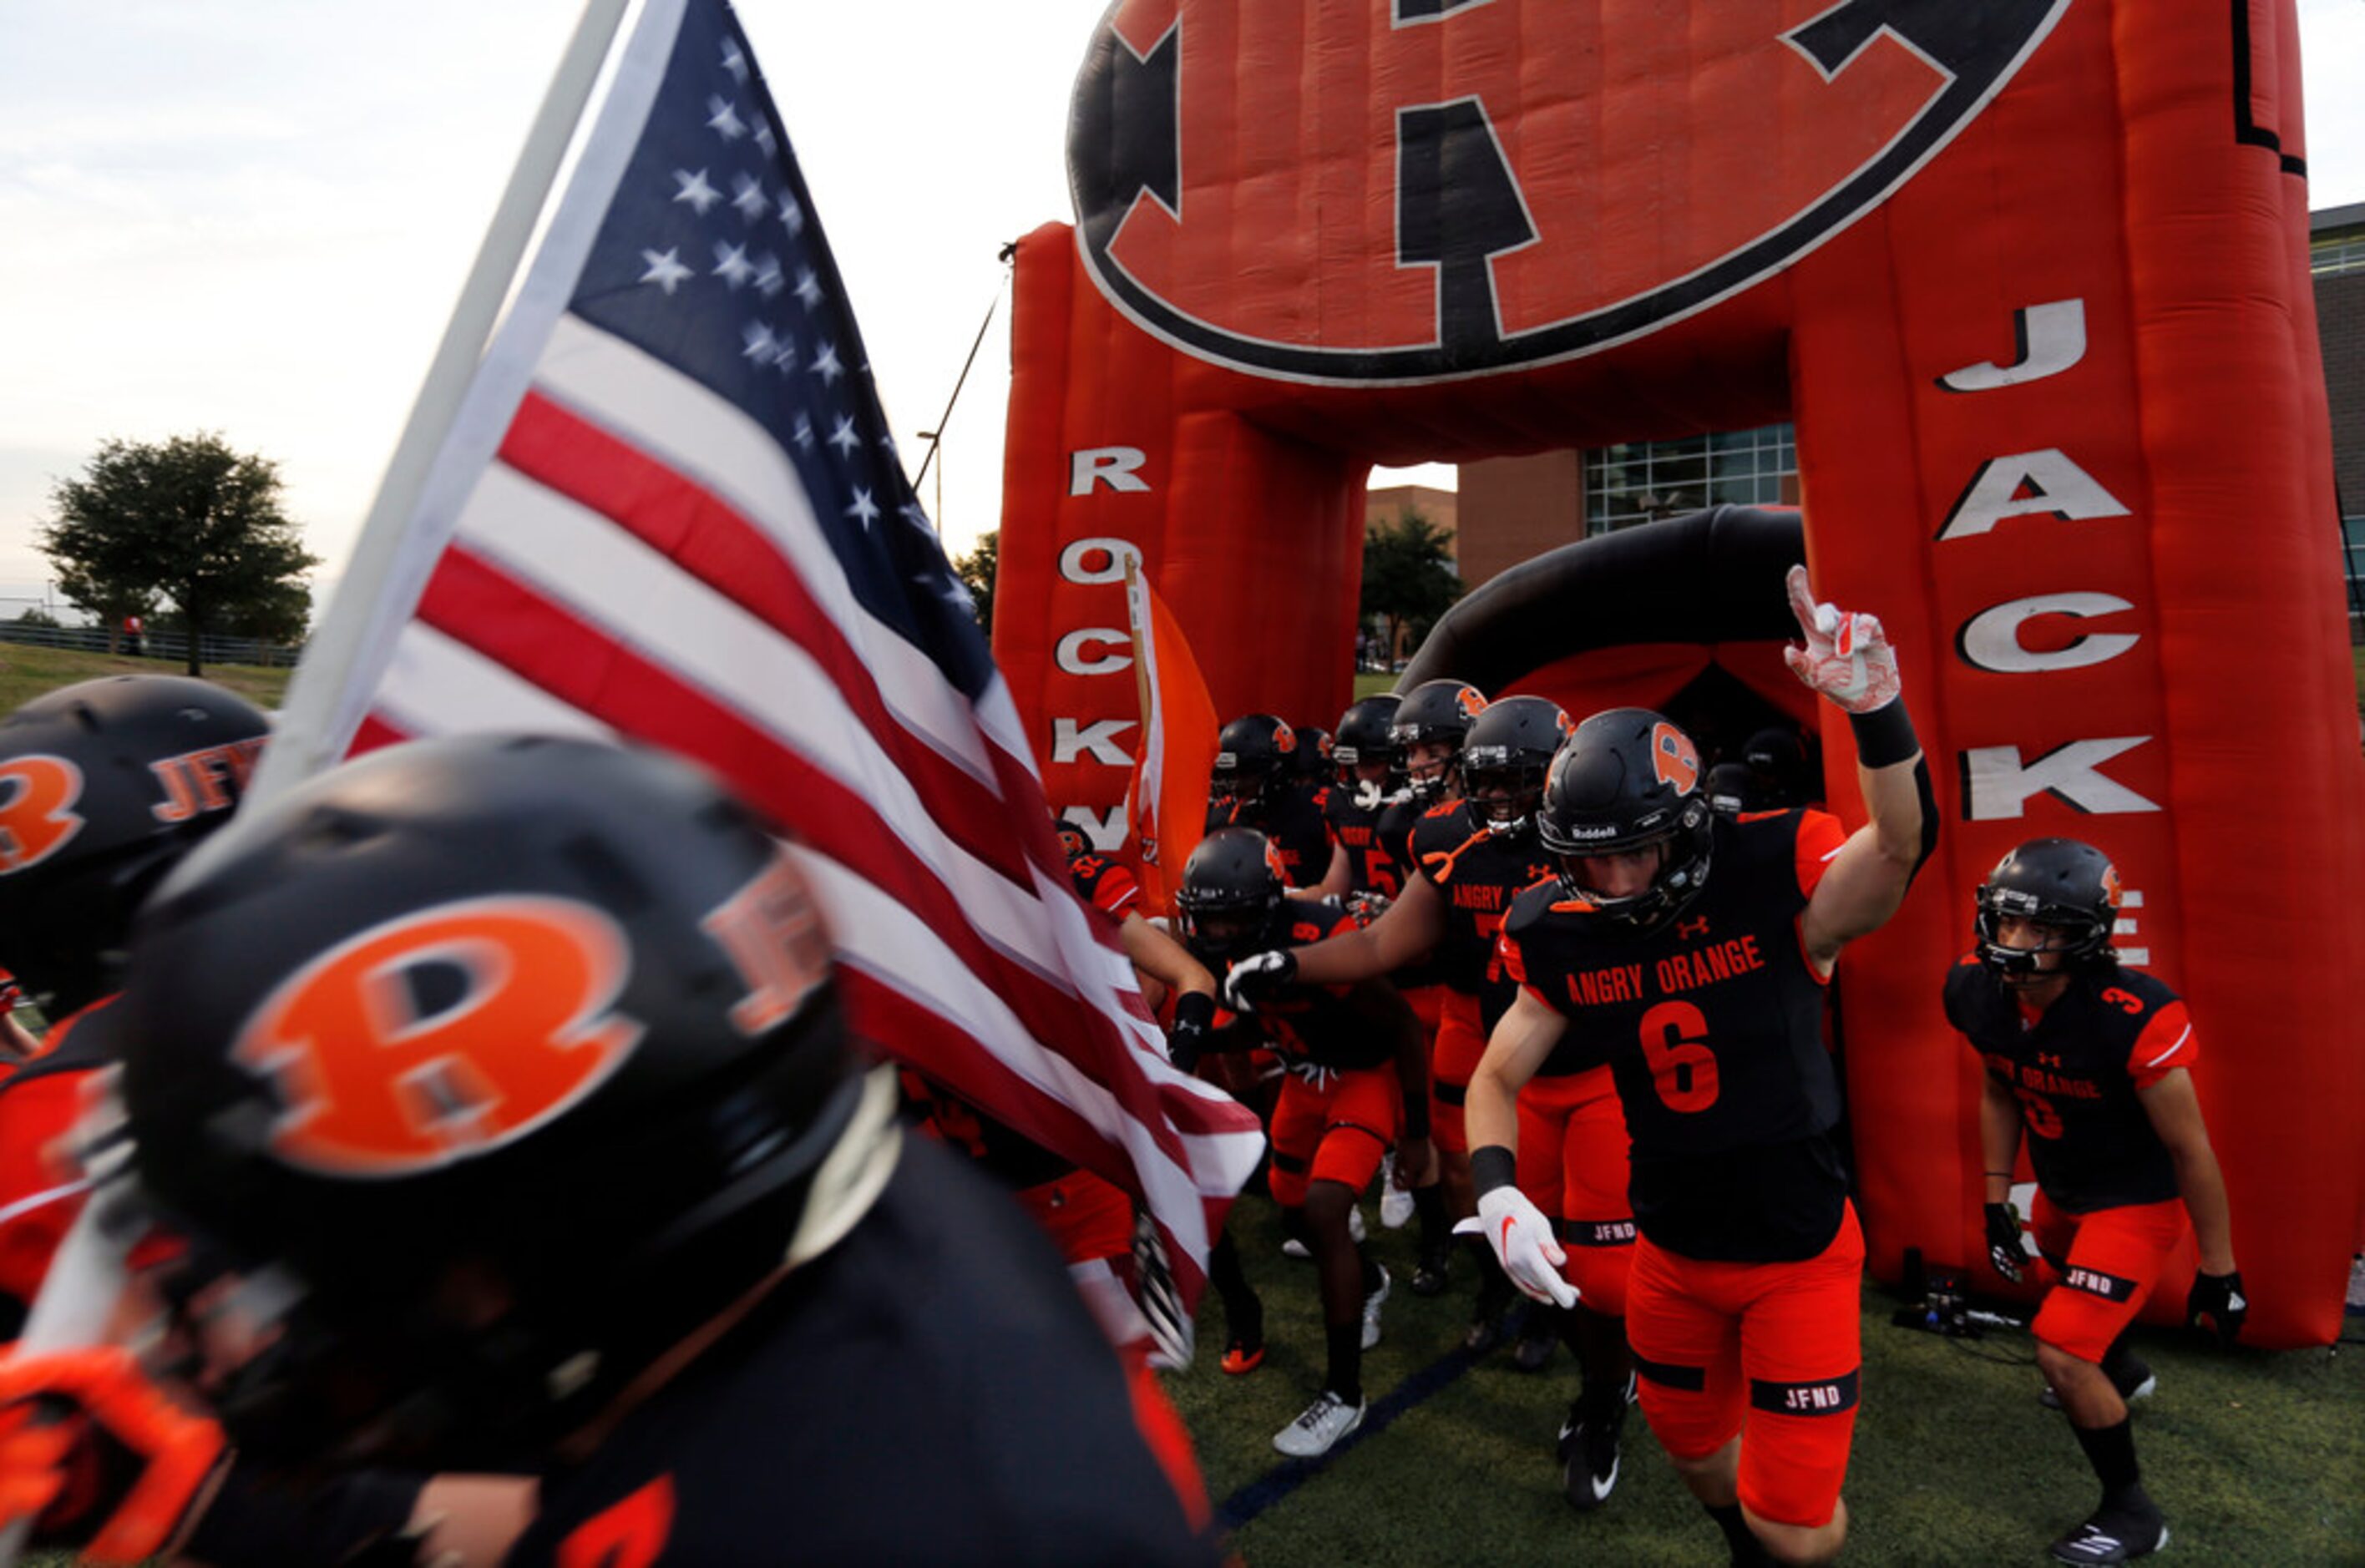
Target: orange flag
{"points": [[1166, 805]]}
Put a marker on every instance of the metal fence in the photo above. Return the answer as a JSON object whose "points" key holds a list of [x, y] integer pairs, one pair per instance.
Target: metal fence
{"points": [[168, 646]]}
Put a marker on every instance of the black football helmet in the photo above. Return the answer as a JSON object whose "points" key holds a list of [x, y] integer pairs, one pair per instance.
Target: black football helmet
{"points": [[1253, 753], [1776, 757], [107, 783], [1072, 841], [2059, 882], [1625, 779], [1313, 755], [1364, 738], [1436, 712], [1732, 789], [1231, 894], [1506, 756], [551, 1019]]}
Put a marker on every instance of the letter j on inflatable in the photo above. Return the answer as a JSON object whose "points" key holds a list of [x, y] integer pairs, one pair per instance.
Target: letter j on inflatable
{"points": [[2029, 276]]}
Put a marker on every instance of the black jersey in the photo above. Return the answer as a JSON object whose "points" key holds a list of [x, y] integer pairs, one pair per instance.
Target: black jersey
{"points": [[1290, 816], [1478, 873], [1355, 828], [931, 1390], [1314, 1026], [1394, 832], [2075, 1069], [1713, 1024]]}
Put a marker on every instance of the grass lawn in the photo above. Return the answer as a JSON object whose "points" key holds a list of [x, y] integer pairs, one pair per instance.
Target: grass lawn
{"points": [[1379, 683], [2256, 1456], [25, 672]]}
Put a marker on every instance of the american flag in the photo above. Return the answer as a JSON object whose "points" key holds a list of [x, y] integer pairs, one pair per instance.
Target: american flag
{"points": [[668, 510]]}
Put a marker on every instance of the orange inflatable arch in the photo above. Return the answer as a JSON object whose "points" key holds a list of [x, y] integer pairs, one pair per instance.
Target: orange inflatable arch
{"points": [[2029, 276]]}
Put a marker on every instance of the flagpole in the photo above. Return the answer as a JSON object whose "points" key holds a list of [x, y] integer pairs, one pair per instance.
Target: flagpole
{"points": [[302, 744]]}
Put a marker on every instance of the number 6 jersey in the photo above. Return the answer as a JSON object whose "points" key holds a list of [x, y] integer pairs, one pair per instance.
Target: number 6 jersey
{"points": [[1712, 1023]]}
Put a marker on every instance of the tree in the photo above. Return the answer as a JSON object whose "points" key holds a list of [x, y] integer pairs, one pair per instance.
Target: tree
{"points": [[976, 572], [37, 616], [1409, 576], [189, 520]]}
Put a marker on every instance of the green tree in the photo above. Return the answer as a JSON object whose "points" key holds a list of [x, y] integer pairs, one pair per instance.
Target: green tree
{"points": [[186, 520], [1409, 576], [976, 572], [37, 616]]}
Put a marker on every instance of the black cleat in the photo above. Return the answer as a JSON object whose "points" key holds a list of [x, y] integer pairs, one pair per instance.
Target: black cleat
{"points": [[2116, 1532], [1429, 1276], [1589, 1450]]}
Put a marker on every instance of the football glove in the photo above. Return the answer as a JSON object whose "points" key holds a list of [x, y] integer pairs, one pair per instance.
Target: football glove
{"points": [[1522, 1239], [1367, 907], [1194, 1015], [2217, 1307], [1258, 976], [96, 1456], [1847, 657], [2005, 1250]]}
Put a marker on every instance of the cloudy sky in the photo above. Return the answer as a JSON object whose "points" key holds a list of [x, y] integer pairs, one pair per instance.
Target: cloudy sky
{"points": [[253, 216]]}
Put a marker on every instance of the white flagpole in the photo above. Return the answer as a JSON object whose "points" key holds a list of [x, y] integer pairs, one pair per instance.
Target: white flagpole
{"points": [[303, 741]]}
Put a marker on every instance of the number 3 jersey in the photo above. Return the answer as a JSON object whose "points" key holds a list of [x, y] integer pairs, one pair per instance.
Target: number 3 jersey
{"points": [[2075, 1069], [1713, 1024]]}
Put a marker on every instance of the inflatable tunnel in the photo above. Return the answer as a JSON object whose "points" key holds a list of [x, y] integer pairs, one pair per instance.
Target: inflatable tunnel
{"points": [[2030, 279]]}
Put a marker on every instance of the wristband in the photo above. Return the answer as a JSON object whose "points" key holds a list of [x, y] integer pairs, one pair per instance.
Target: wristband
{"points": [[1884, 737], [1195, 1008], [1492, 1167], [1421, 1130]]}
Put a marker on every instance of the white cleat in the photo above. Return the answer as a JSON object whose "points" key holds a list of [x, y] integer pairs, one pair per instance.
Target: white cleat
{"points": [[1372, 1309], [1329, 1419]]}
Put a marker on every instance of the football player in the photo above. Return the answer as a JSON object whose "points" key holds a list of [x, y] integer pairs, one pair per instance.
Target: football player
{"points": [[1354, 1087], [1692, 949], [1258, 783], [109, 783], [2094, 1061], [1469, 857], [506, 1091], [1369, 777]]}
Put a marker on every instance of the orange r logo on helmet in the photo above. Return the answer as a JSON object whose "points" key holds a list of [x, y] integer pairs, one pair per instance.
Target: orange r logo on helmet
{"points": [[37, 818], [380, 1080], [1285, 739], [2111, 884], [1673, 758], [1471, 704]]}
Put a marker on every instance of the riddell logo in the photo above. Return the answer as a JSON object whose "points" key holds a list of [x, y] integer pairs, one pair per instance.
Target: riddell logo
{"points": [[1589, 833], [1479, 245]]}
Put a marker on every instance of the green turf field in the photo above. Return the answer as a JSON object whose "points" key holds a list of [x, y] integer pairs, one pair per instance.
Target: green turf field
{"points": [[2257, 1458], [27, 671]]}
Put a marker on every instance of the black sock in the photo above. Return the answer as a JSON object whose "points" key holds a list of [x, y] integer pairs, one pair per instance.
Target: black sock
{"points": [[2112, 1452], [1346, 1345], [1292, 1228], [1429, 1208], [1747, 1551], [1243, 1313], [1370, 1271], [1494, 1291]]}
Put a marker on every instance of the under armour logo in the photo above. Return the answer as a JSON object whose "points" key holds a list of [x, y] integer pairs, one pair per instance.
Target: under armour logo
{"points": [[2047, 1059], [1688, 929]]}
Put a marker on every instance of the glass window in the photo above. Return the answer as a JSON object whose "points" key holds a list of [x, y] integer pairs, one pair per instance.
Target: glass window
{"points": [[1634, 482]]}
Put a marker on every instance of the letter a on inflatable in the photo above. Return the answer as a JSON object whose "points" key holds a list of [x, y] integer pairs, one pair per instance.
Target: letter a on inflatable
{"points": [[2029, 276]]}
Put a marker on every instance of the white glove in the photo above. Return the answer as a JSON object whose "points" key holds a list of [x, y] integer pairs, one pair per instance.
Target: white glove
{"points": [[1260, 974], [1847, 657], [1522, 1239]]}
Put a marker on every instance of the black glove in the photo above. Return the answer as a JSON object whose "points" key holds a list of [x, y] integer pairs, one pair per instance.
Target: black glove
{"points": [[1258, 976], [1194, 1015], [2218, 1299], [2005, 1250]]}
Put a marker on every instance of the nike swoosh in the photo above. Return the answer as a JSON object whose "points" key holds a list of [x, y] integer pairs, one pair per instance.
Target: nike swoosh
{"points": [[1507, 1232]]}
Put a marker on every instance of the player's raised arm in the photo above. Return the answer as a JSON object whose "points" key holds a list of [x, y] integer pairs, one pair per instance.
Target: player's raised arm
{"points": [[1848, 661]]}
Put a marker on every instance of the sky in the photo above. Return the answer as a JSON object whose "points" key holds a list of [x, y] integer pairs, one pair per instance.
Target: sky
{"points": [[253, 216]]}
